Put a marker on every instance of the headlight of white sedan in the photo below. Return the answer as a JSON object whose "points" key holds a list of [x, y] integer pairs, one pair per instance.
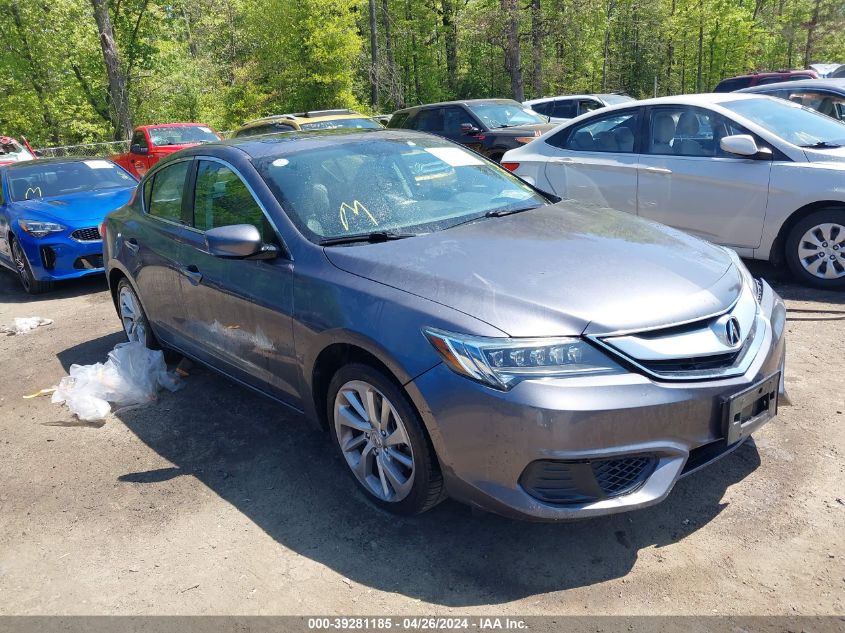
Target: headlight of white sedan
{"points": [[502, 362]]}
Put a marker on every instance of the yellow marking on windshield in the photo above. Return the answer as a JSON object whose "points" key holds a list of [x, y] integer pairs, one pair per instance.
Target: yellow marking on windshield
{"points": [[356, 207]]}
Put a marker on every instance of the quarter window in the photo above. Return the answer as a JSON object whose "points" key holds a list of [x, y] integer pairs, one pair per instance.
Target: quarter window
{"points": [[165, 197], [613, 133], [221, 198]]}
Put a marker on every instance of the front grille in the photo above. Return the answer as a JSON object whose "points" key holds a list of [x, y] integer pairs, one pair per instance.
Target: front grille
{"points": [[87, 262], [91, 234], [585, 481], [701, 363]]}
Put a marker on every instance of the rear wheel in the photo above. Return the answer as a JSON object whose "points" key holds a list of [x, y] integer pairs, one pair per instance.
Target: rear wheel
{"points": [[815, 249], [382, 440], [32, 285], [132, 316]]}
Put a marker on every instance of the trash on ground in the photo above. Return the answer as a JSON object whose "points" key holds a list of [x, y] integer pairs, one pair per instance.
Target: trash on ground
{"points": [[184, 366], [41, 392], [132, 375], [22, 325]]}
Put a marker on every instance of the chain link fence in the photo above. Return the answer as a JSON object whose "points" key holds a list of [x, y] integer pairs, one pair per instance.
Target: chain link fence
{"points": [[86, 150]]}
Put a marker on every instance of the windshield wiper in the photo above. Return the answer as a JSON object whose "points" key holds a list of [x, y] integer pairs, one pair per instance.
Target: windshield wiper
{"points": [[822, 145], [376, 236], [499, 127], [498, 213]]}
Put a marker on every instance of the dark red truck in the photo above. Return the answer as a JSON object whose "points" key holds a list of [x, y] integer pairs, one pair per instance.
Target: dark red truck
{"points": [[151, 143]]}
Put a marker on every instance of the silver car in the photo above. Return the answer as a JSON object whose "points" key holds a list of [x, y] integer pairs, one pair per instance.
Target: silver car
{"points": [[456, 331]]}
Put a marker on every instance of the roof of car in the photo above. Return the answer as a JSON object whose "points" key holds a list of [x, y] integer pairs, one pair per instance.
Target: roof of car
{"points": [[831, 84], [312, 116], [773, 73], [586, 95], [457, 102]]}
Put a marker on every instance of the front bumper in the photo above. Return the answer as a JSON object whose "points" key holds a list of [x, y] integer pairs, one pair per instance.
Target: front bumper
{"points": [[486, 439], [57, 257]]}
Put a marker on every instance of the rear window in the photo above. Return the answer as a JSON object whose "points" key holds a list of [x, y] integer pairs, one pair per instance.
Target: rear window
{"points": [[729, 85]]}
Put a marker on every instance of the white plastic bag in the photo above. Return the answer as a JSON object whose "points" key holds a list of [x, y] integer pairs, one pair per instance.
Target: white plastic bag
{"points": [[22, 325], [132, 375]]}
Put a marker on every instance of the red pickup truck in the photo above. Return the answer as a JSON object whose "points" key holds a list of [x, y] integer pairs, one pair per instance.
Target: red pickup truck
{"points": [[151, 143]]}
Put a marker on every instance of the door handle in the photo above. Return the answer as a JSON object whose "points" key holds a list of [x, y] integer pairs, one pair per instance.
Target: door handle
{"points": [[192, 273], [132, 244], [657, 170]]}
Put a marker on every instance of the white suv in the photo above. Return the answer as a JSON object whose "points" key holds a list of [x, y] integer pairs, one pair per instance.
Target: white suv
{"points": [[761, 175]]}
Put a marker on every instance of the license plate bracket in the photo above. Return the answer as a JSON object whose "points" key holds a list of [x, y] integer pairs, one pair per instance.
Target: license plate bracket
{"points": [[745, 411]]}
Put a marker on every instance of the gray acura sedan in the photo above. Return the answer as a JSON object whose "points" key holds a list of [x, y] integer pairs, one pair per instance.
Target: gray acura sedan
{"points": [[457, 332]]}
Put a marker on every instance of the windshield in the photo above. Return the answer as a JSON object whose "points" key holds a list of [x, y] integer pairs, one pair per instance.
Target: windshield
{"points": [[791, 122], [340, 187], [335, 124], [503, 114], [49, 180], [182, 135], [12, 151]]}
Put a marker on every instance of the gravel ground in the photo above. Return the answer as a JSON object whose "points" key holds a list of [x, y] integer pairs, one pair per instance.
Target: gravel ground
{"points": [[217, 501]]}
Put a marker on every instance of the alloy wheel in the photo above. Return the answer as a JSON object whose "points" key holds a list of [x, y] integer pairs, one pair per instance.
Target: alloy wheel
{"points": [[20, 264], [821, 251], [131, 316], [374, 441]]}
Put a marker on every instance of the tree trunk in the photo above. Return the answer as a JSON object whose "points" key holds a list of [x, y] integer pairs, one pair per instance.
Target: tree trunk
{"points": [[606, 48], [373, 56], [513, 59], [121, 117], [811, 34], [537, 48], [394, 83], [700, 46], [450, 29]]}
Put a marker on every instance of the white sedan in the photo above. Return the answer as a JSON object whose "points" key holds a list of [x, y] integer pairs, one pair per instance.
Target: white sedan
{"points": [[760, 175]]}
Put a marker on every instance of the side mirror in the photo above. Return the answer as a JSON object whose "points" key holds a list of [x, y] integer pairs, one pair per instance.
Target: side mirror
{"points": [[137, 149], [238, 241], [741, 145], [469, 129]]}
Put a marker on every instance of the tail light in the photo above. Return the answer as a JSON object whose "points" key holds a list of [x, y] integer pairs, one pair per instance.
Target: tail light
{"points": [[510, 166]]}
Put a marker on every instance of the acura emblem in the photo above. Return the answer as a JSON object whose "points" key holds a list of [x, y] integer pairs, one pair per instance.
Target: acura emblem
{"points": [[733, 334]]}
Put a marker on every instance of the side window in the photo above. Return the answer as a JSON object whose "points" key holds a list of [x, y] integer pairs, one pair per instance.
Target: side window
{"points": [[165, 197], [833, 105], [565, 109], [544, 108], [429, 120], [453, 118], [221, 198], [139, 138], [609, 133], [685, 131], [588, 105]]}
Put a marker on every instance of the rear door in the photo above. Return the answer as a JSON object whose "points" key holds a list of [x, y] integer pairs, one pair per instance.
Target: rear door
{"points": [[595, 162], [687, 181], [151, 246], [239, 310]]}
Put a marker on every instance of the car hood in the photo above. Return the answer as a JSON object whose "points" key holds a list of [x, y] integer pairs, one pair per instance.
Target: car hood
{"points": [[556, 271], [834, 155], [522, 130], [76, 210]]}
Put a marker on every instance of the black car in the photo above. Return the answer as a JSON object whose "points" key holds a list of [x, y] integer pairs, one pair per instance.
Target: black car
{"points": [[824, 95], [488, 126]]}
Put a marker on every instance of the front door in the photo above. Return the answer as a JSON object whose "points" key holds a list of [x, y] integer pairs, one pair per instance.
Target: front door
{"points": [[239, 309], [687, 181], [595, 162]]}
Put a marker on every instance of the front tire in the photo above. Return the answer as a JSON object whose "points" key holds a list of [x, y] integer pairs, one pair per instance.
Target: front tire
{"points": [[815, 249], [30, 284], [382, 440]]}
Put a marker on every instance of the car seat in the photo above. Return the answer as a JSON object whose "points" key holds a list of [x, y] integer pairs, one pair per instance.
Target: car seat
{"points": [[624, 139], [687, 126], [583, 140], [662, 133]]}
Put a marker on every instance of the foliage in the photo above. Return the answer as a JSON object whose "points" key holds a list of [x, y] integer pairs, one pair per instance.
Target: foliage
{"points": [[225, 61]]}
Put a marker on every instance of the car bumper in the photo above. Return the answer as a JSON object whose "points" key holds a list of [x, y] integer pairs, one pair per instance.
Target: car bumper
{"points": [[494, 447], [56, 258]]}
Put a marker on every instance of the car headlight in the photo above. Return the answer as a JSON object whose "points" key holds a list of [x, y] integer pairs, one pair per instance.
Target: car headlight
{"points": [[37, 228], [503, 362]]}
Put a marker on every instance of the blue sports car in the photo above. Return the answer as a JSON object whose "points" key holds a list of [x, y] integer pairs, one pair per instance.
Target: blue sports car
{"points": [[50, 213]]}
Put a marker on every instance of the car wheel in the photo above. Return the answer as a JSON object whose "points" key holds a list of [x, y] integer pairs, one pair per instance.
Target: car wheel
{"points": [[382, 440], [815, 249], [32, 285], [132, 316]]}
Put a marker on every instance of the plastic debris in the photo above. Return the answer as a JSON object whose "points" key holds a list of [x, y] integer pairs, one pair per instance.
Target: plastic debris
{"points": [[22, 325], [132, 375], [42, 392]]}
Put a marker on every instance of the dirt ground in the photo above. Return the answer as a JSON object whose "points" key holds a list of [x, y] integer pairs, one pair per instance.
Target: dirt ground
{"points": [[217, 501]]}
